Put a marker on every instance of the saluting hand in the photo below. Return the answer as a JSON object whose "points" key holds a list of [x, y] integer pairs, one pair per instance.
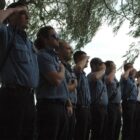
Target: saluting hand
{"points": [[62, 68], [111, 76], [82, 64]]}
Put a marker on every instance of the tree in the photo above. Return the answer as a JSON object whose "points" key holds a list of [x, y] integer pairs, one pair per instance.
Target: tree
{"points": [[126, 10], [76, 21], [79, 20]]}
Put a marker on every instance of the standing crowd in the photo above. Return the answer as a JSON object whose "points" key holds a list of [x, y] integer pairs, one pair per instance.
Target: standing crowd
{"points": [[70, 104]]}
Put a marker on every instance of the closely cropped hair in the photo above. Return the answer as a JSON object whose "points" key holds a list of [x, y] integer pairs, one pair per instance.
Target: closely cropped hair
{"points": [[42, 33], [95, 63], [127, 66], [77, 55], [109, 66]]}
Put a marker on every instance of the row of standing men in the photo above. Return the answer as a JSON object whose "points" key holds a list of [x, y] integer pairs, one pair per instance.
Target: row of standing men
{"points": [[70, 105]]}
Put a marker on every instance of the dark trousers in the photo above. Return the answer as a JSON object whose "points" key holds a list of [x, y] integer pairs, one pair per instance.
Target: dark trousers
{"points": [[137, 122], [82, 123], [128, 115], [17, 114], [114, 121], [52, 120], [71, 125], [99, 119]]}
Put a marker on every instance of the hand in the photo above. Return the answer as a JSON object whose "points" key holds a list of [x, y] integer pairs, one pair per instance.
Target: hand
{"points": [[102, 67], [99, 74], [83, 62], [126, 74], [69, 110], [130, 69], [111, 76]]}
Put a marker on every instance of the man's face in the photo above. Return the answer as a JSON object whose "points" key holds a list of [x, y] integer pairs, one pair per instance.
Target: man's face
{"points": [[67, 52], [20, 19], [53, 40], [23, 19], [84, 56]]}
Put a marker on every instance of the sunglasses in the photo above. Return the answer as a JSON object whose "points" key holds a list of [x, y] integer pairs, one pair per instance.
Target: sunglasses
{"points": [[54, 36]]}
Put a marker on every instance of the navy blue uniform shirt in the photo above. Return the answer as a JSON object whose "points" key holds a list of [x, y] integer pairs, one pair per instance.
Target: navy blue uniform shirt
{"points": [[49, 62], [83, 92], [128, 89], [98, 91], [113, 91], [21, 67]]}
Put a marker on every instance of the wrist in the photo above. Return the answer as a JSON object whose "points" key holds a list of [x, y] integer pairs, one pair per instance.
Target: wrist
{"points": [[68, 103]]}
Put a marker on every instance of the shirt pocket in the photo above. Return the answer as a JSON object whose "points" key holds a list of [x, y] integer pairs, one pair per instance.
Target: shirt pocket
{"points": [[21, 54]]}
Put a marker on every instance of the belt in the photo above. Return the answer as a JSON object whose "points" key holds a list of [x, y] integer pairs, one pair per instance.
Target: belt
{"points": [[17, 87], [82, 106], [129, 101]]}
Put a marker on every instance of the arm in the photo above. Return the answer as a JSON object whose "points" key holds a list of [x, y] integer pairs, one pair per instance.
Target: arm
{"points": [[81, 64], [110, 77], [126, 74], [52, 73], [4, 14], [72, 85], [54, 77], [99, 74], [69, 107]]}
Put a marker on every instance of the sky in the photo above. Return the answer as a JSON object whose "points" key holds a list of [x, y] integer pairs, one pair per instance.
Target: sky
{"points": [[108, 46]]}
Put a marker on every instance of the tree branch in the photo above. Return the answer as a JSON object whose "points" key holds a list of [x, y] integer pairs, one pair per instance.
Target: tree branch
{"points": [[138, 14], [111, 10], [122, 9]]}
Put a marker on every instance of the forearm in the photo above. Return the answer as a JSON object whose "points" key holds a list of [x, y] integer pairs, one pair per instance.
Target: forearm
{"points": [[55, 78], [68, 102], [98, 75], [5, 13]]}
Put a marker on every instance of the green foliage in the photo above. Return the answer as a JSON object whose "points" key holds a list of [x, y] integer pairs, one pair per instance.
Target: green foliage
{"points": [[77, 21], [133, 52]]}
